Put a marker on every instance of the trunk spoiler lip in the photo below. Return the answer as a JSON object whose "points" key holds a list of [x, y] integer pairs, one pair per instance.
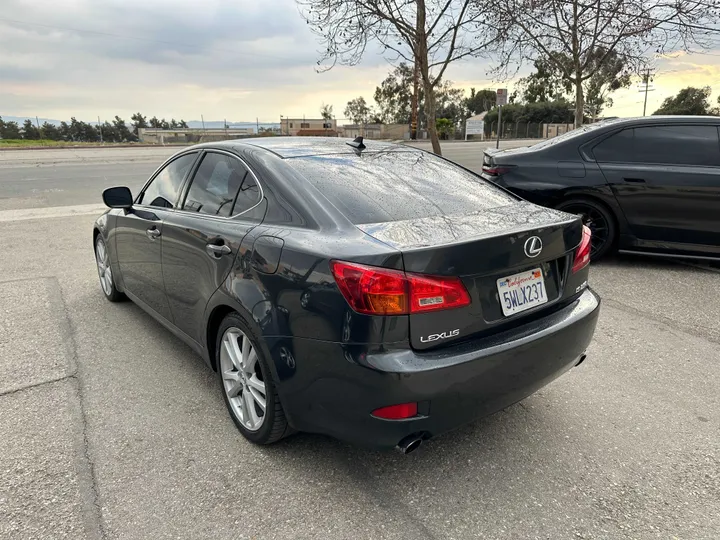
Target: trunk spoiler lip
{"points": [[372, 229]]}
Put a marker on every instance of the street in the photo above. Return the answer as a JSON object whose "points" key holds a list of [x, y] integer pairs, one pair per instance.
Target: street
{"points": [[113, 428]]}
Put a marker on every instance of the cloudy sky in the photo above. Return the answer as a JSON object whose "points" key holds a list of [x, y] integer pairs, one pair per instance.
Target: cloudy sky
{"points": [[233, 59]]}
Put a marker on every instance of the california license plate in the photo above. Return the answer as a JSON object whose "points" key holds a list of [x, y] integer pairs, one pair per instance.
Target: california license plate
{"points": [[521, 291]]}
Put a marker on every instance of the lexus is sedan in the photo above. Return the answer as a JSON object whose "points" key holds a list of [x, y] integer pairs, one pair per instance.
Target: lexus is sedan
{"points": [[643, 185], [369, 291]]}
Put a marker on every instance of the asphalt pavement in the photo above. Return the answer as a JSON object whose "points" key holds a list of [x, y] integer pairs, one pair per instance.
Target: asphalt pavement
{"points": [[112, 428]]}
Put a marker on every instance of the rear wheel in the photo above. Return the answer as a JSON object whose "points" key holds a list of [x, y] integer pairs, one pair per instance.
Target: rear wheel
{"points": [[247, 384], [107, 281], [599, 220]]}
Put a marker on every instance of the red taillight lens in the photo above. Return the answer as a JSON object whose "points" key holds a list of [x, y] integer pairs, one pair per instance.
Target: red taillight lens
{"points": [[396, 412], [375, 291], [494, 171], [428, 293], [582, 253], [382, 291]]}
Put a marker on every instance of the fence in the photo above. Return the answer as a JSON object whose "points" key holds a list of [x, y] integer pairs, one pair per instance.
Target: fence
{"points": [[526, 130]]}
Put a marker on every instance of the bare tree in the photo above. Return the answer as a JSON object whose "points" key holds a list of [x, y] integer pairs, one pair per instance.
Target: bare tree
{"points": [[433, 33], [568, 33]]}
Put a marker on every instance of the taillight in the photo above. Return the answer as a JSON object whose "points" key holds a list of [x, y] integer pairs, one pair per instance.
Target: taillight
{"points": [[493, 170], [582, 253], [382, 291], [430, 293], [397, 412]]}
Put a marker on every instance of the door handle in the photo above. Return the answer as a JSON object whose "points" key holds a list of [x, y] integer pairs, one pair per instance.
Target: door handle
{"points": [[152, 233], [635, 180], [217, 251]]}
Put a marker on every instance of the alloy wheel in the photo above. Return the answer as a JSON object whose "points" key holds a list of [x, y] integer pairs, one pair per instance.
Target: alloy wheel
{"points": [[242, 379], [103, 264], [596, 221]]}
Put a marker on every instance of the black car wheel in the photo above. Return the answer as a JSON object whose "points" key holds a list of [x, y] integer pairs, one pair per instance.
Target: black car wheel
{"points": [[107, 281], [247, 384], [599, 220]]}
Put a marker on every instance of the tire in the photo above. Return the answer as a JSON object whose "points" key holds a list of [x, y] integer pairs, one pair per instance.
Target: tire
{"points": [[601, 222], [240, 380], [107, 280]]}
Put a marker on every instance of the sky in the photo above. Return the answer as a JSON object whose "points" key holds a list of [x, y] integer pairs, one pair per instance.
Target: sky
{"points": [[234, 59]]}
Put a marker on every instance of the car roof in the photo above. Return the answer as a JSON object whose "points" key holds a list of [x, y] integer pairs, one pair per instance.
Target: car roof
{"points": [[291, 147], [663, 119]]}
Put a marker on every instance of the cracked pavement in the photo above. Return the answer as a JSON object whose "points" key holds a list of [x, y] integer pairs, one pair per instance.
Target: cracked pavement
{"points": [[110, 428]]}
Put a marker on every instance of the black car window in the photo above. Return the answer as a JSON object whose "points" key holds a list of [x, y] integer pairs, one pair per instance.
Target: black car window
{"points": [[677, 145], [218, 182], [667, 145], [163, 190], [617, 147], [397, 185]]}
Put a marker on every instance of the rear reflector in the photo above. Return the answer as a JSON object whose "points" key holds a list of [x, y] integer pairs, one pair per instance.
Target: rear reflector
{"points": [[381, 291], [396, 412], [582, 253]]}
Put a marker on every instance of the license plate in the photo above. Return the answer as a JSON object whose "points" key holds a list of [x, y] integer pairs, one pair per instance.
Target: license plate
{"points": [[521, 291]]}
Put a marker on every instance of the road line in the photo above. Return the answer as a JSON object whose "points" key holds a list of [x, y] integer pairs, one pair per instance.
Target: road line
{"points": [[51, 212]]}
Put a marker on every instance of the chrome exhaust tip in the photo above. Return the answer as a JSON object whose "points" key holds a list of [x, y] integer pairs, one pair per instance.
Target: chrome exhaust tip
{"points": [[410, 443]]}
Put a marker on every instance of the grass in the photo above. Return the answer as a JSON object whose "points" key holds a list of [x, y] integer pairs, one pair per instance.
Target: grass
{"points": [[11, 143]]}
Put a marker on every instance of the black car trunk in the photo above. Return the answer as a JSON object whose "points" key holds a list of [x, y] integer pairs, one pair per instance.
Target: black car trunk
{"points": [[483, 249]]}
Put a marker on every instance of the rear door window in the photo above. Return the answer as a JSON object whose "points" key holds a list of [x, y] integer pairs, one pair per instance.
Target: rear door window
{"points": [[669, 145], [397, 185], [222, 186]]}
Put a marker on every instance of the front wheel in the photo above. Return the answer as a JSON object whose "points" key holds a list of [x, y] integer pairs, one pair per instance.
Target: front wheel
{"points": [[107, 282], [600, 222], [247, 384]]}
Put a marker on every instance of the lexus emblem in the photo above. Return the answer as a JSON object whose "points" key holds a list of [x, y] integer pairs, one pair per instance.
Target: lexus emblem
{"points": [[533, 246]]}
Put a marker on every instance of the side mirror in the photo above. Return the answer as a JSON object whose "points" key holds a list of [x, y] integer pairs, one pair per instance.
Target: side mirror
{"points": [[118, 197]]}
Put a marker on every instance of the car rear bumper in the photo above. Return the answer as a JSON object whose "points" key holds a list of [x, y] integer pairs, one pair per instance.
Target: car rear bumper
{"points": [[334, 389]]}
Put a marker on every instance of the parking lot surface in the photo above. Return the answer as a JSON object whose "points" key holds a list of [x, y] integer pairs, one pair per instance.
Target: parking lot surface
{"points": [[112, 428]]}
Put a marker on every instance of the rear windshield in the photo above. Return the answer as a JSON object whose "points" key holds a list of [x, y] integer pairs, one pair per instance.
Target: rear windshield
{"points": [[397, 185]]}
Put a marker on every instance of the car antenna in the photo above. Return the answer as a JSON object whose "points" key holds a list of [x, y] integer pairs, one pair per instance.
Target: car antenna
{"points": [[357, 144]]}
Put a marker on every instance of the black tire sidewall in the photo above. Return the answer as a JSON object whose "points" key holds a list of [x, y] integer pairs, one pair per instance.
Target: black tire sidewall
{"points": [[609, 219], [262, 435]]}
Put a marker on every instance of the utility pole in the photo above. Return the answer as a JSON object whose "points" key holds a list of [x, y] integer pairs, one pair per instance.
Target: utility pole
{"points": [[415, 102], [100, 129], [202, 119], [645, 88]]}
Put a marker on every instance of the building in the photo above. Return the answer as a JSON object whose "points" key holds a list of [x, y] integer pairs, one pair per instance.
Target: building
{"points": [[191, 135], [377, 131], [308, 126]]}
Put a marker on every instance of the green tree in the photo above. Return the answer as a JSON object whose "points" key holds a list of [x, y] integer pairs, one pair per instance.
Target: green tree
{"points": [[51, 132], [154, 122], [123, 133], [451, 103], [182, 124], [480, 101], [445, 127], [689, 100], [30, 130], [65, 131], [394, 96], [138, 121], [326, 112], [9, 130], [358, 111]]}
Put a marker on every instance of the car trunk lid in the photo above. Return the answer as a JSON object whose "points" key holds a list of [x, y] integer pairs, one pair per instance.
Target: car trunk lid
{"points": [[482, 248]]}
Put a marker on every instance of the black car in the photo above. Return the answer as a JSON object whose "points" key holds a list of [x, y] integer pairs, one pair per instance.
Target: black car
{"points": [[643, 185], [372, 292]]}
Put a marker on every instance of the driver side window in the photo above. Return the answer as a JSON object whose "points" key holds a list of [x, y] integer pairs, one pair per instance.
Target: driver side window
{"points": [[163, 191]]}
